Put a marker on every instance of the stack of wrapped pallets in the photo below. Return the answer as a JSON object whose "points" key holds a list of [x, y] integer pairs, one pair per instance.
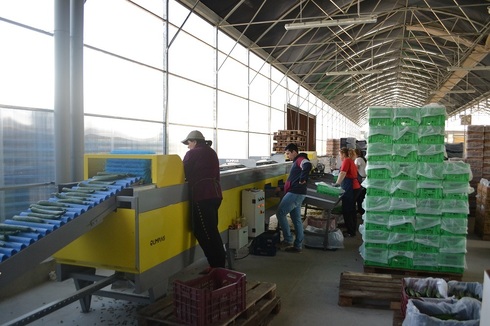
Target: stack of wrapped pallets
{"points": [[416, 203]]}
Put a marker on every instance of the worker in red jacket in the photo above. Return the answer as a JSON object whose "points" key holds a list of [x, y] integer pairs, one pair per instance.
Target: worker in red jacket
{"points": [[201, 167]]}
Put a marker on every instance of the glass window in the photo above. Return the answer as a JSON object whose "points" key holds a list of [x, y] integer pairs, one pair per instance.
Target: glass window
{"points": [[190, 103], [26, 67], [259, 118], [117, 87], [229, 47], [232, 144], [34, 13], [232, 112], [103, 135], [277, 120], [123, 28], [27, 159], [278, 96], [259, 145], [232, 76], [259, 88], [198, 65]]}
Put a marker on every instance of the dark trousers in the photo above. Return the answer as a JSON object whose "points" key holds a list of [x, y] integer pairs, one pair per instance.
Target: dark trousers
{"points": [[360, 199], [349, 210], [205, 228]]}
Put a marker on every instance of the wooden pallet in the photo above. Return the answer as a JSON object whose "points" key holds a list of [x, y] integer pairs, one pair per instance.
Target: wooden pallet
{"points": [[260, 306], [370, 289], [412, 273], [397, 318]]}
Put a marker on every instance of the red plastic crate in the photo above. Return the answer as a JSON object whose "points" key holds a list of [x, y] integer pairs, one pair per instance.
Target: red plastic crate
{"points": [[210, 298]]}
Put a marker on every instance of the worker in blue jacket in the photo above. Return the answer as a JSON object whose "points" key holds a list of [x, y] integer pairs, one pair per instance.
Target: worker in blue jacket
{"points": [[294, 194]]}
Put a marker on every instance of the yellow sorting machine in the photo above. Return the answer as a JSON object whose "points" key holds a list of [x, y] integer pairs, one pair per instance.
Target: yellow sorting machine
{"points": [[148, 236]]}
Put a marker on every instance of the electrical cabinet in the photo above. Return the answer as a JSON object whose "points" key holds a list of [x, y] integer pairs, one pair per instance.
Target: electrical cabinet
{"points": [[253, 210]]}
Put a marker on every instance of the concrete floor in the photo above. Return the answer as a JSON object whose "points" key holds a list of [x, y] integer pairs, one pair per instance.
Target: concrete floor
{"points": [[307, 283]]}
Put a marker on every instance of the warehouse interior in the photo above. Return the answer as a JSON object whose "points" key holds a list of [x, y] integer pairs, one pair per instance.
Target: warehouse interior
{"points": [[405, 81]]}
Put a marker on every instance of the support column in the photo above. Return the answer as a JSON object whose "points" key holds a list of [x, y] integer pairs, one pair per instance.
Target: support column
{"points": [[62, 124]]}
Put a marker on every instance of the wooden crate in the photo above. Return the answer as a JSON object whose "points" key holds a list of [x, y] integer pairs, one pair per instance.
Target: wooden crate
{"points": [[370, 288], [262, 304]]}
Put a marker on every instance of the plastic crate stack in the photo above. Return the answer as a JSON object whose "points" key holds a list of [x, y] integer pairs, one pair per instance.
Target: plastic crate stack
{"points": [[416, 203]]}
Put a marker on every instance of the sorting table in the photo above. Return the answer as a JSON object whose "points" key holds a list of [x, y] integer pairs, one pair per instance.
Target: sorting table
{"points": [[323, 201]]}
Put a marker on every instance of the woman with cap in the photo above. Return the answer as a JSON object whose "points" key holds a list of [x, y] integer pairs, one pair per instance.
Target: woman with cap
{"points": [[201, 167]]}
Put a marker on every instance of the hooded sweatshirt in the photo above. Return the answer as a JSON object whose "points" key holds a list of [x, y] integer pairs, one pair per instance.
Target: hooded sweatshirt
{"points": [[300, 170]]}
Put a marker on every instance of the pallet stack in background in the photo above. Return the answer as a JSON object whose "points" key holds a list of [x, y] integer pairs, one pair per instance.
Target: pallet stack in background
{"points": [[476, 156], [416, 203], [284, 137], [482, 217], [333, 148], [477, 143]]}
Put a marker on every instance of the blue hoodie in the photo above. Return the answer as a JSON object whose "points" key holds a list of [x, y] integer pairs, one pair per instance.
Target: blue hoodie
{"points": [[300, 171]]}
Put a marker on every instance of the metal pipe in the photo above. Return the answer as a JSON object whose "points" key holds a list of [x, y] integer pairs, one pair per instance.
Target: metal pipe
{"points": [[76, 90], [62, 91]]}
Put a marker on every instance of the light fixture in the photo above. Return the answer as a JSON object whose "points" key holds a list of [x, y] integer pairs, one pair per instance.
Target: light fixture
{"points": [[461, 91], [353, 72], [333, 22], [468, 68]]}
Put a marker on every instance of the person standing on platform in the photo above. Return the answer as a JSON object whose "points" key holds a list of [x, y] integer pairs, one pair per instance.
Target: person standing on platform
{"points": [[347, 180], [294, 194], [201, 167]]}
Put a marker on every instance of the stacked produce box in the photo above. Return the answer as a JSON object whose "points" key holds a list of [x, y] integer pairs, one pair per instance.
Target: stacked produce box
{"points": [[416, 203]]}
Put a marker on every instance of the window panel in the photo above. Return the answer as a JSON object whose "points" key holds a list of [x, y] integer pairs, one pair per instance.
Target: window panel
{"points": [[190, 103], [130, 26], [259, 88], [103, 135], [229, 47], [198, 64], [27, 151], [259, 118], [259, 145], [278, 96], [232, 112], [233, 76], [232, 144], [277, 120], [26, 67], [116, 87], [35, 13]]}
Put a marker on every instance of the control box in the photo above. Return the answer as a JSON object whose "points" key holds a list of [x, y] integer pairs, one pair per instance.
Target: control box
{"points": [[253, 210], [237, 238]]}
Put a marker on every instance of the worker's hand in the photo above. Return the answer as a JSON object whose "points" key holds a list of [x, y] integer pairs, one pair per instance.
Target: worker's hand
{"points": [[336, 185]]}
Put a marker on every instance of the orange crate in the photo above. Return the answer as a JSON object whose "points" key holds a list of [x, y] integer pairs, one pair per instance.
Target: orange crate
{"points": [[210, 298]]}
